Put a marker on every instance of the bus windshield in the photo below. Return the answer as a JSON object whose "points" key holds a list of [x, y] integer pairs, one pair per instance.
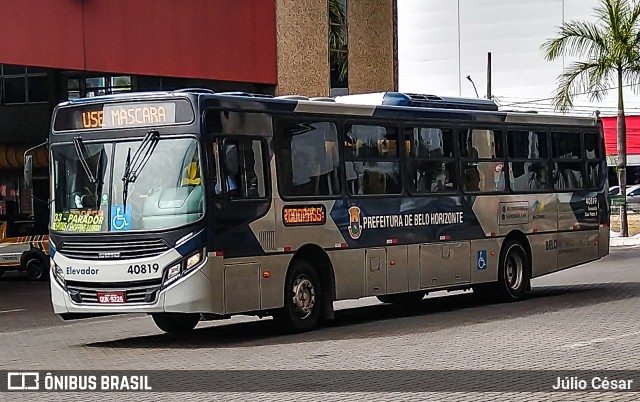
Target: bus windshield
{"points": [[167, 191]]}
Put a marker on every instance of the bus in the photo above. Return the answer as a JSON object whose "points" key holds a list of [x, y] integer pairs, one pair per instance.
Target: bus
{"points": [[24, 247], [192, 205]]}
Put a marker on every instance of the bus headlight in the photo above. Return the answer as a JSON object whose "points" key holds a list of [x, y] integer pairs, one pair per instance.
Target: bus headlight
{"points": [[193, 261], [182, 267], [58, 273], [172, 273]]}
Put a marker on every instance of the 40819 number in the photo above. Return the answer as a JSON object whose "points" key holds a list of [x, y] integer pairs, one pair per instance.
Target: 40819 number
{"points": [[140, 269]]}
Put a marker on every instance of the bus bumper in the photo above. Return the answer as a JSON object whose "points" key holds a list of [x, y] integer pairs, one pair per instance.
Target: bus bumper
{"points": [[193, 293]]}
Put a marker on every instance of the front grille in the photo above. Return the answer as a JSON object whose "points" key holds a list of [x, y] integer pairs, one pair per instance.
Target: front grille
{"points": [[135, 292], [116, 250]]}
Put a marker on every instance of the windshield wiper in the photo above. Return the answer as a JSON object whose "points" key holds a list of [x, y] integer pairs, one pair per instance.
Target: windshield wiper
{"points": [[99, 183], [134, 165], [81, 150]]}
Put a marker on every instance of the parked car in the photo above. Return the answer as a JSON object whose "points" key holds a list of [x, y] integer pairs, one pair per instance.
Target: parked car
{"points": [[633, 197], [614, 190]]}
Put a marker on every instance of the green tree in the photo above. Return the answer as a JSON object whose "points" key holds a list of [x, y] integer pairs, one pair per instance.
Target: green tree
{"points": [[609, 50], [338, 53]]}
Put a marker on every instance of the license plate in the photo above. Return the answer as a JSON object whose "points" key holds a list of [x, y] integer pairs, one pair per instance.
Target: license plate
{"points": [[111, 298]]}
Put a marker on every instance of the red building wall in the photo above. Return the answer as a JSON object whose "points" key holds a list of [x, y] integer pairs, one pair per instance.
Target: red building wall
{"points": [[633, 135], [227, 40]]}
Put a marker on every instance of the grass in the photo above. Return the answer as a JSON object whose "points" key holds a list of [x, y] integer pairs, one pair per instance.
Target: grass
{"points": [[632, 218]]}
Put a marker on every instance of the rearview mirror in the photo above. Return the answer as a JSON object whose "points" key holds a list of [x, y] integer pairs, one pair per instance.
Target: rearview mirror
{"points": [[28, 171]]}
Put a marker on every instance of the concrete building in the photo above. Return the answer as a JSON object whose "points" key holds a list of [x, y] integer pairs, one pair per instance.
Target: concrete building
{"points": [[55, 50]]}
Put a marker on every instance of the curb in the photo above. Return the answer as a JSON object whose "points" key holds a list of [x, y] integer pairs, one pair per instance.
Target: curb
{"points": [[624, 241]]}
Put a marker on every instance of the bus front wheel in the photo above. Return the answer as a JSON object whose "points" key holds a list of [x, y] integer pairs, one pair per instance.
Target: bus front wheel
{"points": [[176, 322], [302, 299]]}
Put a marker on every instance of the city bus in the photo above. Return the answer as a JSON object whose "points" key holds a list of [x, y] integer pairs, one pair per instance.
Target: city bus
{"points": [[192, 205]]}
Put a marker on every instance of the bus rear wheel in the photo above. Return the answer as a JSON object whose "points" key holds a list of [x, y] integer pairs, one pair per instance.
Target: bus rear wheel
{"points": [[302, 299], [402, 298], [514, 276], [176, 322]]}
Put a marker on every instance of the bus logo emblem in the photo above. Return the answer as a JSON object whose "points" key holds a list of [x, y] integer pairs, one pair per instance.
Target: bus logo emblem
{"points": [[355, 229]]}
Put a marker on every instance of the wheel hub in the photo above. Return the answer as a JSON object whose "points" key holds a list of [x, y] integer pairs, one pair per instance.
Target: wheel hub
{"points": [[514, 271], [304, 297]]}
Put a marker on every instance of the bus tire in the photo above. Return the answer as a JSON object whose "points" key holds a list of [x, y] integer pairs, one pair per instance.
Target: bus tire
{"points": [[514, 276], [402, 298], [176, 322], [36, 266], [302, 299], [514, 272]]}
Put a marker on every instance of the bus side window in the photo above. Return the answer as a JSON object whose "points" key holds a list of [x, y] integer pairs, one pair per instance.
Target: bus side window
{"points": [[482, 153], [372, 164], [430, 163], [307, 158], [242, 169], [568, 165]]}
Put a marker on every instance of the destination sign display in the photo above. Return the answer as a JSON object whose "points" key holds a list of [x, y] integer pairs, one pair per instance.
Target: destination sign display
{"points": [[123, 115], [137, 115], [77, 220], [304, 215]]}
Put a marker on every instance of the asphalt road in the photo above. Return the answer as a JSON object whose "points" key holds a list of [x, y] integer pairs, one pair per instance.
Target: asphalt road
{"points": [[587, 317]]}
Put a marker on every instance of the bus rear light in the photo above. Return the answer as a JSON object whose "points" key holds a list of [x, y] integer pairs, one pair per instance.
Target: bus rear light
{"points": [[445, 237], [286, 249], [492, 234], [341, 245], [392, 241], [218, 254], [534, 230]]}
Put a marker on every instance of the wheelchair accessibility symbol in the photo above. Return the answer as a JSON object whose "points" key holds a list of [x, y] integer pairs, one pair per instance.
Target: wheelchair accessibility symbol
{"points": [[120, 218], [482, 259]]}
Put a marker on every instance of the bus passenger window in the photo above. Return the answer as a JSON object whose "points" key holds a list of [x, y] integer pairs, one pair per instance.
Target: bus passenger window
{"points": [[483, 177], [592, 150], [242, 169], [529, 176], [430, 163], [307, 158], [568, 165], [365, 178], [483, 170], [481, 144], [527, 160], [566, 145], [370, 141], [567, 176], [372, 165], [594, 175]]}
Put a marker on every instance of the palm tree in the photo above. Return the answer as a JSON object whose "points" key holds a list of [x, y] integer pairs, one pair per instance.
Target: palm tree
{"points": [[610, 49], [338, 37]]}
